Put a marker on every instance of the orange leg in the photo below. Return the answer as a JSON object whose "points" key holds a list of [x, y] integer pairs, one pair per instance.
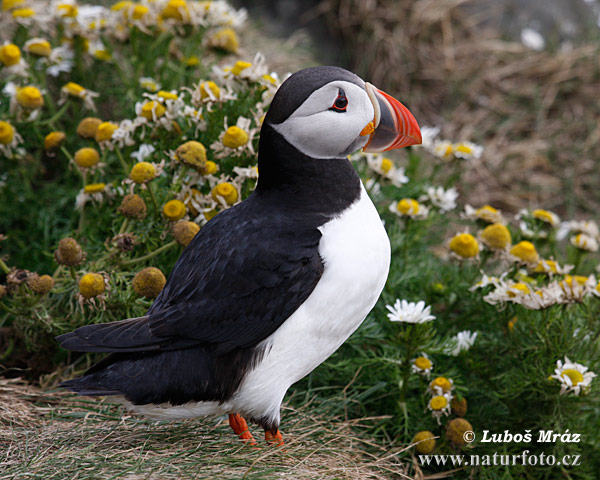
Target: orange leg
{"points": [[274, 438], [240, 427]]}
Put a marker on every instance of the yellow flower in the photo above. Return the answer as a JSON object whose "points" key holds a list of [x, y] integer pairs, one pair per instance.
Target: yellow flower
{"points": [[518, 288], [442, 382], [239, 67], [91, 285], [7, 133], [546, 216], [496, 236], [54, 140], [184, 232], [174, 210], [10, 54], [166, 95], [39, 46], [464, 245], [30, 97], [192, 153], [210, 214], [149, 84], [142, 172], [387, 165], [525, 251], [226, 39], [88, 127], [86, 157], [422, 363], [11, 4], [94, 188], [152, 110], [121, 5], [226, 191], [23, 13], [408, 206], [459, 406], [176, 9], [425, 442], [67, 10], [206, 86], [439, 402], [574, 280], [73, 89], [192, 61], [40, 284], [235, 137], [149, 282], [456, 429], [102, 55], [210, 168], [139, 11], [69, 252], [105, 131], [133, 206], [488, 214]]}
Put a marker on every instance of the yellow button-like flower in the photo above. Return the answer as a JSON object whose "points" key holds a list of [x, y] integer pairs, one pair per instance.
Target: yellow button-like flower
{"points": [[105, 131], [226, 191], [166, 95], [459, 406], [102, 55], [149, 282], [139, 11], [423, 363], [184, 232], [30, 97], [192, 153], [54, 140], [39, 46], [235, 137], [496, 236], [174, 210], [441, 382], [226, 39], [488, 214], [191, 61], [456, 429], [518, 289], [86, 157], [67, 10], [425, 442], [11, 4], [91, 285], [88, 127], [210, 168], [574, 375], [69, 252], [408, 206], [40, 284], [142, 172], [133, 206], [571, 280], [206, 86], [10, 54], [94, 188], [525, 251], [121, 5], [464, 245], [7, 133], [176, 9], [23, 13], [439, 402], [545, 216], [152, 110], [240, 66], [387, 165], [73, 89]]}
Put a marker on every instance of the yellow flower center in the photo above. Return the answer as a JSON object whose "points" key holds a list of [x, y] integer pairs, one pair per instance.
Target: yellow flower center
{"points": [[149, 282], [496, 236], [184, 232], [7, 133], [88, 127], [192, 61], [152, 110], [210, 168], [518, 288], [226, 39], [74, 89], [579, 280], [386, 165], [425, 442], [91, 285], [102, 55], [149, 85], [176, 10], [487, 213], [193, 154], [86, 157], [239, 67], [121, 5], [139, 11], [462, 148], [40, 47], [10, 54], [23, 13], [10, 4], [53, 140], [174, 210], [30, 97], [227, 191], [235, 137], [525, 251], [423, 363], [105, 131], [545, 216], [94, 188], [408, 206], [212, 86], [68, 10], [575, 375], [439, 402], [464, 245], [441, 382], [545, 266], [166, 95], [142, 172]]}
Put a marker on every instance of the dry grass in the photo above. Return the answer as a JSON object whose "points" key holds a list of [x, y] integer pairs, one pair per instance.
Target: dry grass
{"points": [[535, 112], [55, 435]]}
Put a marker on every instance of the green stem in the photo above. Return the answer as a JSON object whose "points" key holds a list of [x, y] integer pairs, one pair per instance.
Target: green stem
{"points": [[152, 197], [122, 161], [124, 226], [150, 255], [73, 273], [4, 267]]}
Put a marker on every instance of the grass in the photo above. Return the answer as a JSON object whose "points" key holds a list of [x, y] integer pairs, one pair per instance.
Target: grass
{"points": [[53, 434]]}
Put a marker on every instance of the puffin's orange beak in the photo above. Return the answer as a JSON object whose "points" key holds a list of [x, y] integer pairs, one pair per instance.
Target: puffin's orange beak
{"points": [[393, 126]]}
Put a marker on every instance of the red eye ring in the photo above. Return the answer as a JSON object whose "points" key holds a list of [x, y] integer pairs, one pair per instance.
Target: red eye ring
{"points": [[340, 104]]}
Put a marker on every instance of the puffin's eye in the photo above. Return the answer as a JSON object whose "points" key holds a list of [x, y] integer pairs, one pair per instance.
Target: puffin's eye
{"points": [[341, 102]]}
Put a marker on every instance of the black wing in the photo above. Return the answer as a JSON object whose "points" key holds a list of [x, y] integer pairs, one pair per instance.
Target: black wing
{"points": [[238, 280]]}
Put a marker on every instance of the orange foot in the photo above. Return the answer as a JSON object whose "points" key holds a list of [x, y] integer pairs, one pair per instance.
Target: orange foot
{"points": [[274, 438], [240, 427]]}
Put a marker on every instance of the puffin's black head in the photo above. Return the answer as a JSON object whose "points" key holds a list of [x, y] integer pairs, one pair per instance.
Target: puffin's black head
{"points": [[329, 112]]}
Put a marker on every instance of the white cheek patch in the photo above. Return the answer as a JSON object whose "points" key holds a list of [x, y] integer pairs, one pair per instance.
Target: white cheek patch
{"points": [[319, 132]]}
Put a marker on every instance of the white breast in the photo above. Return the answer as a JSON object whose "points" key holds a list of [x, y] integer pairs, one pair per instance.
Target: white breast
{"points": [[356, 253]]}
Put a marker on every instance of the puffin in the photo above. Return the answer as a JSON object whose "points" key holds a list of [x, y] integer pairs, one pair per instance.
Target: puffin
{"points": [[270, 288]]}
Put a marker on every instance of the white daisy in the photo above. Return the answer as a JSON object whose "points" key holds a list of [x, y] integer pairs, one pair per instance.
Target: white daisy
{"points": [[409, 312], [143, 152], [422, 365], [439, 404], [462, 341], [445, 200], [583, 241], [573, 377]]}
